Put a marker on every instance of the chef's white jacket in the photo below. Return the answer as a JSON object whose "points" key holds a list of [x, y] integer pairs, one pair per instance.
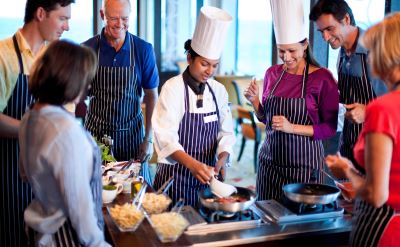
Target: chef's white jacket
{"points": [[170, 109]]}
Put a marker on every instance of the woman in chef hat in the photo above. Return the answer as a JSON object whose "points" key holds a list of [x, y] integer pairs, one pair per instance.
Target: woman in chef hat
{"points": [[192, 120], [299, 107]]}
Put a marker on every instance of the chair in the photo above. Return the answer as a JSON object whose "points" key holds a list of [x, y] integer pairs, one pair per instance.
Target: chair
{"points": [[250, 130]]}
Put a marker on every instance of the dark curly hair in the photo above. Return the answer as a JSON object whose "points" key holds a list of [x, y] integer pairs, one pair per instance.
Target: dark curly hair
{"points": [[337, 8], [189, 49]]}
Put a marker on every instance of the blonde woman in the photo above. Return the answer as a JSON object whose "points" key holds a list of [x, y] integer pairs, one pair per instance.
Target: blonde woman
{"points": [[377, 222]]}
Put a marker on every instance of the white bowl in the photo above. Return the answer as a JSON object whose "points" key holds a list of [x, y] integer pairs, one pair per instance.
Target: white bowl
{"points": [[221, 189]]}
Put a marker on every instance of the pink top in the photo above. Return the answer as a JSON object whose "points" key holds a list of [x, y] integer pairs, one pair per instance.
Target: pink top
{"points": [[322, 96]]}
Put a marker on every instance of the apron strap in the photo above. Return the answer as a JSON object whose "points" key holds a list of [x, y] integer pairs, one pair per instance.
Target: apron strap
{"points": [[18, 51]]}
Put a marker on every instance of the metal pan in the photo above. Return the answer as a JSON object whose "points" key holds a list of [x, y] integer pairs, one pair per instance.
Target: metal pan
{"points": [[231, 207], [311, 193]]}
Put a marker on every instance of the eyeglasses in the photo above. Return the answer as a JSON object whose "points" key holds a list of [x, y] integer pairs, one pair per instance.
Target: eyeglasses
{"points": [[113, 19]]}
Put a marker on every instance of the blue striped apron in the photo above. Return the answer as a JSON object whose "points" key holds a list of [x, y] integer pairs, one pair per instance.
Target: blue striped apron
{"points": [[199, 140], [66, 235], [353, 89], [369, 223], [287, 158], [15, 194], [115, 109]]}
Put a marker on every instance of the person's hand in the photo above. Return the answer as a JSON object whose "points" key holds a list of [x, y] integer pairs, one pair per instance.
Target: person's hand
{"points": [[219, 169], [338, 165], [355, 112], [282, 124], [201, 172], [145, 151], [252, 92]]}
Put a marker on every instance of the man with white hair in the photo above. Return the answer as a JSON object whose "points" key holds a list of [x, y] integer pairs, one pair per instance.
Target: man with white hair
{"points": [[126, 66]]}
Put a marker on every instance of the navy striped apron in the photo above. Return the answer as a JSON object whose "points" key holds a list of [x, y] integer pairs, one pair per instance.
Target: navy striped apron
{"points": [[15, 194], [115, 109], [66, 236], [287, 158], [353, 89], [199, 140], [369, 223]]}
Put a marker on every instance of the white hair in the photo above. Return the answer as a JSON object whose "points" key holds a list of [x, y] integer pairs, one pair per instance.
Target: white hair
{"points": [[106, 2]]}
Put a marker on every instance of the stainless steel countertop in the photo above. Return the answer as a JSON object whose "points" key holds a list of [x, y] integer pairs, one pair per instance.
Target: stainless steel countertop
{"points": [[263, 233]]}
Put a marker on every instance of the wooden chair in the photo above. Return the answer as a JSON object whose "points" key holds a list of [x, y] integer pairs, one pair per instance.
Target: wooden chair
{"points": [[251, 129]]}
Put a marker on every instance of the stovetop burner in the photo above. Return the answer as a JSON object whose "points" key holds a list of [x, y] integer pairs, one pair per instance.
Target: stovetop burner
{"points": [[212, 216], [204, 220], [303, 208], [295, 212]]}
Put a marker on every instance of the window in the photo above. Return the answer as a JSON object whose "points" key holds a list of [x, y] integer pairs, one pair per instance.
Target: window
{"points": [[254, 37], [178, 20], [366, 13], [81, 23]]}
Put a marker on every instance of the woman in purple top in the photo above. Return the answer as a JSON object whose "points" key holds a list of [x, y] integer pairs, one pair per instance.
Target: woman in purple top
{"points": [[299, 107]]}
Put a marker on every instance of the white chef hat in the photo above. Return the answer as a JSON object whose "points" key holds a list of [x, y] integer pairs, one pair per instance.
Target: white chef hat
{"points": [[210, 33], [289, 23]]}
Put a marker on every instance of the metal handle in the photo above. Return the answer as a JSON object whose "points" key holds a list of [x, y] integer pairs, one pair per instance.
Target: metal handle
{"points": [[164, 188], [329, 176]]}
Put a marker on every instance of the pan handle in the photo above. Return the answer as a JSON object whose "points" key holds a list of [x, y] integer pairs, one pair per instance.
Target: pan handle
{"points": [[314, 175]]}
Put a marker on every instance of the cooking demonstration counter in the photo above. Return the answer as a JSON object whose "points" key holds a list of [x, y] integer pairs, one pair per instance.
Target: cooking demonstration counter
{"points": [[260, 228]]}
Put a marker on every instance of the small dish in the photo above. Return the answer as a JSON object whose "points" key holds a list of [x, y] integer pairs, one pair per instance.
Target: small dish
{"points": [[126, 217], [168, 226], [155, 203]]}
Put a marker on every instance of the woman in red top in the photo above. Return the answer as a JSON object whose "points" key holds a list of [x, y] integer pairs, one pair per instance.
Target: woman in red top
{"points": [[377, 208]]}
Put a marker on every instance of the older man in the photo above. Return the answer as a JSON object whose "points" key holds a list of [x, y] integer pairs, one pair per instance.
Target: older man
{"points": [[44, 21], [126, 67]]}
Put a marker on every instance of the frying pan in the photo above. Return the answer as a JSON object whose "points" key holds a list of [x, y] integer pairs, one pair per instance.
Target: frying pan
{"points": [[231, 207], [311, 193]]}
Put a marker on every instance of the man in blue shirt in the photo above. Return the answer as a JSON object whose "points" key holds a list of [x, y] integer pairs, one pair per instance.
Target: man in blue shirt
{"points": [[335, 21], [126, 68]]}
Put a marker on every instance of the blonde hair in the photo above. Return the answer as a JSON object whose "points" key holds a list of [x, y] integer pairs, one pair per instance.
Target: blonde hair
{"points": [[383, 42]]}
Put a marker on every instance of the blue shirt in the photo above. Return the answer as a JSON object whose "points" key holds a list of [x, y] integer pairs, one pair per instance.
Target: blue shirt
{"points": [[351, 65], [145, 60]]}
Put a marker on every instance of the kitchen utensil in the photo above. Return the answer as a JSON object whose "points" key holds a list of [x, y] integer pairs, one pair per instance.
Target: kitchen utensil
{"points": [[221, 189], [233, 207], [178, 206], [329, 176], [126, 166], [164, 188], [311, 193], [137, 200]]}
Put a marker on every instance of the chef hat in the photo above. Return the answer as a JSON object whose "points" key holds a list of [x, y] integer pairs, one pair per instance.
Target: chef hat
{"points": [[289, 23], [210, 33]]}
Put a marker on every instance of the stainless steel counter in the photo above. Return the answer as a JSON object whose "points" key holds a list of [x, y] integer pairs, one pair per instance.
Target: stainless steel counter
{"points": [[269, 234]]}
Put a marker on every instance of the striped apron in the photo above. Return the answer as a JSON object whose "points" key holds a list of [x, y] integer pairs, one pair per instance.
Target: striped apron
{"points": [[66, 235], [15, 194], [287, 158], [199, 140], [353, 89], [115, 109], [369, 224]]}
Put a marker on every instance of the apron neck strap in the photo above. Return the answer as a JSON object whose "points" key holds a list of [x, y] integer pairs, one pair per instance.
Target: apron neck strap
{"points": [[18, 51]]}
